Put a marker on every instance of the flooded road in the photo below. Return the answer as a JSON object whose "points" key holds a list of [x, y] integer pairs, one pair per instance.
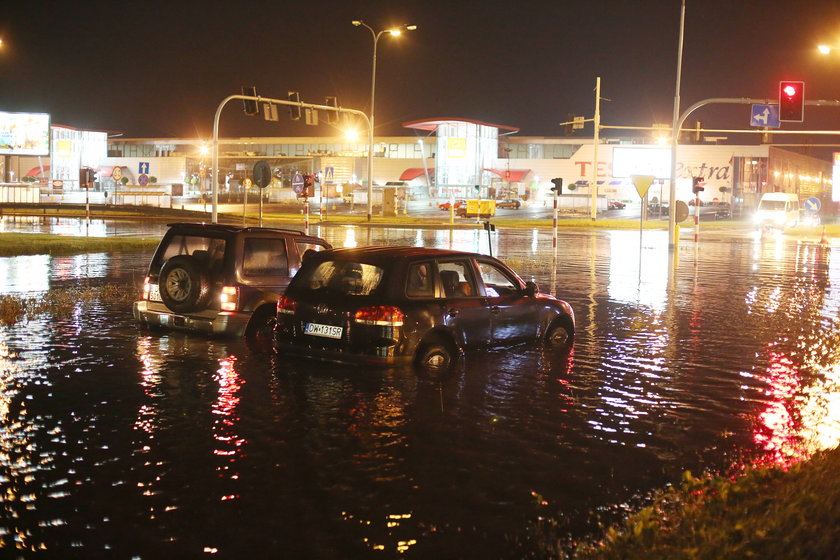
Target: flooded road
{"points": [[119, 443]]}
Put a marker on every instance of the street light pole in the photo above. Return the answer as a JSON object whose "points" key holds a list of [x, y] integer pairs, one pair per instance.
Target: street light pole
{"points": [[393, 31], [675, 141]]}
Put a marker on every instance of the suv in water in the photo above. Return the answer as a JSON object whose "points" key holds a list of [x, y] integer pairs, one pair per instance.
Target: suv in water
{"points": [[412, 305], [220, 279]]}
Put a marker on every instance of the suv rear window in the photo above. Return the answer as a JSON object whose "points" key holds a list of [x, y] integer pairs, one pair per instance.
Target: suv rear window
{"points": [[350, 278], [264, 256], [196, 245]]}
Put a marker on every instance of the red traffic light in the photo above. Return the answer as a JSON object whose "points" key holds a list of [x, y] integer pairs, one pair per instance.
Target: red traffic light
{"points": [[792, 101]]}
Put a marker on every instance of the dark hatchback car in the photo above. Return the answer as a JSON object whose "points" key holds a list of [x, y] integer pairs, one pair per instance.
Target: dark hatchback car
{"points": [[221, 279], [412, 305]]}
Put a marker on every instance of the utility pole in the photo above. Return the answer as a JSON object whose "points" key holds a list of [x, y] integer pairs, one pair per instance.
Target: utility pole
{"points": [[597, 122]]}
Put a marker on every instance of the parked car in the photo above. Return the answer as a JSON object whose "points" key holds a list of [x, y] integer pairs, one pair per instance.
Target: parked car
{"points": [[510, 203], [615, 205], [657, 209], [457, 204], [220, 279], [403, 305], [723, 210]]}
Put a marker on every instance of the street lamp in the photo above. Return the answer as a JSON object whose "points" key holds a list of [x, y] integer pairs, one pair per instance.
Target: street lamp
{"points": [[395, 31]]}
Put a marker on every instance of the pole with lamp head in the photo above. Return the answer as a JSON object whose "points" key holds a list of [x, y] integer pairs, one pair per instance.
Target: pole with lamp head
{"points": [[376, 35]]}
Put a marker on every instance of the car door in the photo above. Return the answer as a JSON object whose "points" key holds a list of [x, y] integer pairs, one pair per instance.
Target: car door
{"points": [[513, 315], [463, 308]]}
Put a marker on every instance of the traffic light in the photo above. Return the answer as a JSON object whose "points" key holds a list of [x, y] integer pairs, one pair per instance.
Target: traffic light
{"points": [[697, 185], [558, 185], [86, 177], [294, 110], [332, 116], [250, 105], [309, 185], [792, 101]]}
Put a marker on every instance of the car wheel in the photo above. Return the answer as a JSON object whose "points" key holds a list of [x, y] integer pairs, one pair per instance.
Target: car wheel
{"points": [[559, 335], [184, 286], [260, 331], [436, 358]]}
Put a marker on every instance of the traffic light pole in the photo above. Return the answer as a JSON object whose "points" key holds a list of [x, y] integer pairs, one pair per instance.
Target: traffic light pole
{"points": [[672, 222], [215, 164]]}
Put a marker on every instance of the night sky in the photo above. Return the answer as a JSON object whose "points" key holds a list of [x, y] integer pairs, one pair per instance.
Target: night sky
{"points": [[160, 69]]}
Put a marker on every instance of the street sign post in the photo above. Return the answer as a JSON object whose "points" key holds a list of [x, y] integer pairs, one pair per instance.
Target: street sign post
{"points": [[297, 183], [642, 184], [812, 204], [765, 115]]}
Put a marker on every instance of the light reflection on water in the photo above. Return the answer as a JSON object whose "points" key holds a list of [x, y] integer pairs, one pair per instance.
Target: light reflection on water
{"points": [[206, 445]]}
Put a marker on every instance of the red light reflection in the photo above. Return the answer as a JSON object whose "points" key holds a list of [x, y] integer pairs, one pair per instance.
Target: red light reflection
{"points": [[224, 427]]}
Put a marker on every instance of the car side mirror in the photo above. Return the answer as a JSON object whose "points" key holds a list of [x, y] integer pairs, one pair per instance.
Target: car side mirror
{"points": [[531, 288]]}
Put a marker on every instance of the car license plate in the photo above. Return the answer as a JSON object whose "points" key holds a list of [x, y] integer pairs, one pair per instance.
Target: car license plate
{"points": [[154, 292], [328, 331]]}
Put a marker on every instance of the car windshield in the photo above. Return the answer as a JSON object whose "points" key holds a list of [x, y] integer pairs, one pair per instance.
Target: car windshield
{"points": [[771, 205], [350, 278]]}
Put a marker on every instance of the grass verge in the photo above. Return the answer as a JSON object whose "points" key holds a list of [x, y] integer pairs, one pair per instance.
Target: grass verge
{"points": [[62, 301], [764, 513], [12, 244]]}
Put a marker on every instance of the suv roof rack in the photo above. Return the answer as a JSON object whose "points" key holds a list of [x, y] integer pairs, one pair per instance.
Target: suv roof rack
{"points": [[279, 230], [232, 228]]}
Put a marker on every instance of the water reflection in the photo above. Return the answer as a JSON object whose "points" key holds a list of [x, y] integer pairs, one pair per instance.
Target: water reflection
{"points": [[126, 443], [230, 445]]}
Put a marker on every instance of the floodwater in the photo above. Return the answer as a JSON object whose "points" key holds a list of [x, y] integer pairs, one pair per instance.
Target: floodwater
{"points": [[119, 443]]}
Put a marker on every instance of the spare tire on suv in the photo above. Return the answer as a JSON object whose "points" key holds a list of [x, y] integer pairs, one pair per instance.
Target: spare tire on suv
{"points": [[184, 284]]}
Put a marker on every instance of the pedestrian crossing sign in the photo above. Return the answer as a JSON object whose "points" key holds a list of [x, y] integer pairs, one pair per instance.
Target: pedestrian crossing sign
{"points": [[329, 175]]}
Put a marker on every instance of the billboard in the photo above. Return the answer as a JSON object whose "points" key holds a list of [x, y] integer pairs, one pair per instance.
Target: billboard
{"points": [[636, 160], [24, 134]]}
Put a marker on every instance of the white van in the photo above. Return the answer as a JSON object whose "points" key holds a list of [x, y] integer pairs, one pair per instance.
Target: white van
{"points": [[780, 210]]}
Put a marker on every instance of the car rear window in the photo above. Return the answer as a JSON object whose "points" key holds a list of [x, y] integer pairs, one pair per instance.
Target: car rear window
{"points": [[350, 278], [196, 245], [265, 256]]}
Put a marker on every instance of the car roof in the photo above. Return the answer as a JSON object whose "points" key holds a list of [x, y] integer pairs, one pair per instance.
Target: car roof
{"points": [[381, 254], [226, 228]]}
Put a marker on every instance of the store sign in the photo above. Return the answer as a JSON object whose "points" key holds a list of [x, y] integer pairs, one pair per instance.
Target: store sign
{"points": [[64, 148], [24, 134], [456, 147], [632, 160]]}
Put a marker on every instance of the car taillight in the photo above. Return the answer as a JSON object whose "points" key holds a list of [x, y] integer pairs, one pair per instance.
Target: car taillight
{"points": [[146, 288], [382, 315], [229, 298], [286, 305]]}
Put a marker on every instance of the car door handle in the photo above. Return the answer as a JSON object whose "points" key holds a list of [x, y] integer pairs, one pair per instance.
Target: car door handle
{"points": [[495, 310], [453, 312]]}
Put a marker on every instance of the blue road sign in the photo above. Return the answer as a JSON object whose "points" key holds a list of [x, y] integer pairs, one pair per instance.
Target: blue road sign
{"points": [[812, 204], [765, 115], [297, 183], [329, 175], [144, 167]]}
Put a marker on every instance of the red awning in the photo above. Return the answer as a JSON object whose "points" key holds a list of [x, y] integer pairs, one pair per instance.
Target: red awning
{"points": [[36, 171], [414, 172], [516, 175]]}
